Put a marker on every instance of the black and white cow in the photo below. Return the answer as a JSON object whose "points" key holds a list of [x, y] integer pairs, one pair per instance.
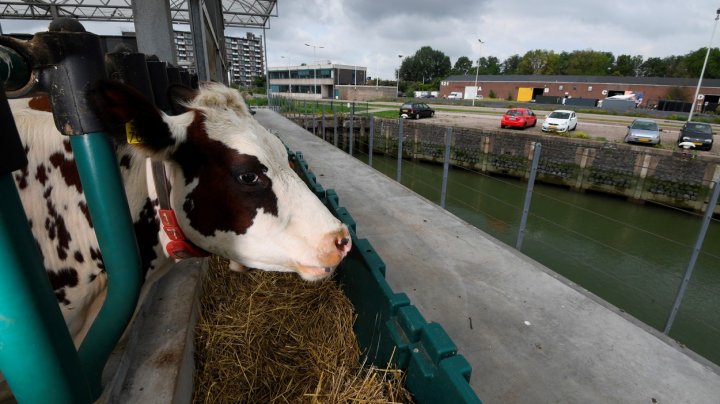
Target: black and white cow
{"points": [[232, 191]]}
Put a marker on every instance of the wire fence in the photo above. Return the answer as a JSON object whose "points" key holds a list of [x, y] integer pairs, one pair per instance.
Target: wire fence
{"points": [[634, 256]]}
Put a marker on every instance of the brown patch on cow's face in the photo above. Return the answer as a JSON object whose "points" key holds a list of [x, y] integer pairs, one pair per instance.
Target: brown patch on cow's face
{"points": [[231, 186], [40, 103]]}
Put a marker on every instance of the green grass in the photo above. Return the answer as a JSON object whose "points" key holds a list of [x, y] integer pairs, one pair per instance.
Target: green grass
{"points": [[386, 114]]}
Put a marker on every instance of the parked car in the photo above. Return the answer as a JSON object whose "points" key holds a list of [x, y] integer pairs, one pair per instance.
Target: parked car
{"points": [[645, 131], [519, 118], [700, 134], [560, 121], [416, 110], [455, 95]]}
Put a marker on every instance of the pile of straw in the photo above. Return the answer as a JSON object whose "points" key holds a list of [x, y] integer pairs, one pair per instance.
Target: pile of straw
{"points": [[267, 337]]}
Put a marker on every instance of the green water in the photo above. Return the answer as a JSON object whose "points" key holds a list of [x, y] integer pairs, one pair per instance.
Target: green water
{"points": [[631, 255]]}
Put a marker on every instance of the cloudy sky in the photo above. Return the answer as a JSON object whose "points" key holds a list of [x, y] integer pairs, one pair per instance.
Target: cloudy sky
{"points": [[373, 33]]}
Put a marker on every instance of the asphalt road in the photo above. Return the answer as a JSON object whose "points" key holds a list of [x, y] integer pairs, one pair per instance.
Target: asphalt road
{"points": [[611, 128]]}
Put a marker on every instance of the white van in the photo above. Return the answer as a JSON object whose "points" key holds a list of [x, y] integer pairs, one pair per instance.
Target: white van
{"points": [[455, 95]]}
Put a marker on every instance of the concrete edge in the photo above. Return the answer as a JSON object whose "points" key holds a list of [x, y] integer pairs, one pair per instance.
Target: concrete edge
{"points": [[154, 362]]}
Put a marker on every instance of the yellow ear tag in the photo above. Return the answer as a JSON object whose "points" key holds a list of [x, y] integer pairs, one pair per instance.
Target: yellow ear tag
{"points": [[131, 133]]}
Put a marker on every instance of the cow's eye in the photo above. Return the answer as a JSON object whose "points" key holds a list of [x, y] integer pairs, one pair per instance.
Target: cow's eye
{"points": [[249, 178]]}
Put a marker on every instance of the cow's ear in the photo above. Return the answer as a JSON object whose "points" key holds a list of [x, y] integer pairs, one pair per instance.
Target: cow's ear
{"points": [[180, 96], [128, 116]]}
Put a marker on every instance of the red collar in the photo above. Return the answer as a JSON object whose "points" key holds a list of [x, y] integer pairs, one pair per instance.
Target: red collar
{"points": [[178, 247]]}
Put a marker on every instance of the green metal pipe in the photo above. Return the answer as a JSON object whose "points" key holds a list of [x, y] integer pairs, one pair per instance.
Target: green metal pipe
{"points": [[37, 355], [14, 70], [110, 214]]}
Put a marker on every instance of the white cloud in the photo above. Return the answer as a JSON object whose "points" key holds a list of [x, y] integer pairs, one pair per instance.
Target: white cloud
{"points": [[372, 34]]}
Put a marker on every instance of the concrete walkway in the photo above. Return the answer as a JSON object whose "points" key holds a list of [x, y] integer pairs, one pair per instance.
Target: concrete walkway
{"points": [[530, 336]]}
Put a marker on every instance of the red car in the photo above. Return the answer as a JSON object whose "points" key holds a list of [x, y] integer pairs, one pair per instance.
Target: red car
{"points": [[519, 118]]}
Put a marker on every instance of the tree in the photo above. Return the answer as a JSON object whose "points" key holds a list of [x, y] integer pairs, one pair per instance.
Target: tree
{"points": [[628, 66], [462, 66], [510, 65], [694, 61], [536, 62], [590, 63], [653, 67], [489, 65], [676, 66], [259, 82], [426, 65]]}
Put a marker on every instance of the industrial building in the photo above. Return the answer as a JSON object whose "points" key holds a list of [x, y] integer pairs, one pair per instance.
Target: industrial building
{"points": [[649, 91], [314, 81]]}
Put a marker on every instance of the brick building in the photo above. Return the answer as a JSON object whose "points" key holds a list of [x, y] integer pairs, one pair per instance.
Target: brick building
{"points": [[650, 91]]}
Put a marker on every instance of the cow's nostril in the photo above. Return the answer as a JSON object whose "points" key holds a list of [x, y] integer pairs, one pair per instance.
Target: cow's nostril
{"points": [[343, 245]]}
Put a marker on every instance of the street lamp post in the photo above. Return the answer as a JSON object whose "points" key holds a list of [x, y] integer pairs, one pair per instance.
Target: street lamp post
{"points": [[397, 82], [702, 72], [477, 70], [315, 47]]}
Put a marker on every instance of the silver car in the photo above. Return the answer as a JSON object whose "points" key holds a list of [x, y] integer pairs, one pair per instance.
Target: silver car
{"points": [[645, 131]]}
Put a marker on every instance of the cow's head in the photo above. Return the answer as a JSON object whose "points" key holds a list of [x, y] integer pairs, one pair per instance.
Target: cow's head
{"points": [[233, 191]]}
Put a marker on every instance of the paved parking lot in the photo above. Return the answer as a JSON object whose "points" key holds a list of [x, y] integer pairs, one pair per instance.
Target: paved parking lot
{"points": [[610, 127]]}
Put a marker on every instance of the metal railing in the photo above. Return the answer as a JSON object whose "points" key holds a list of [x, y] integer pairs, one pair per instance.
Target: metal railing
{"points": [[368, 143]]}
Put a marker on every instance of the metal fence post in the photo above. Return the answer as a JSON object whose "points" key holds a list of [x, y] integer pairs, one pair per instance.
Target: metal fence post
{"points": [[446, 164], [528, 195], [351, 135], [335, 134], [371, 139], [400, 150], [323, 121], [34, 340], [693, 259]]}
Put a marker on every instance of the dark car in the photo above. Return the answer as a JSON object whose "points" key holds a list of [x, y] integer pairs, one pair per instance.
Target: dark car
{"points": [[519, 118], [697, 134], [416, 110]]}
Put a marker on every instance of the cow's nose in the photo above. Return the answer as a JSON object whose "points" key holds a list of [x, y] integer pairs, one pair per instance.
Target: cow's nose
{"points": [[343, 243]]}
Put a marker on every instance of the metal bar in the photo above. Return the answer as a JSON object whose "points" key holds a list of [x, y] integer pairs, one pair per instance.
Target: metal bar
{"points": [[197, 27], [351, 136], [528, 195], [398, 173], [446, 166], [335, 134], [323, 121], [371, 139], [34, 341], [693, 259], [110, 214]]}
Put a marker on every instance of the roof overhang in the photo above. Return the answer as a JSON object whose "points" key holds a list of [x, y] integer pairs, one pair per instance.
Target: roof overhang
{"points": [[237, 13]]}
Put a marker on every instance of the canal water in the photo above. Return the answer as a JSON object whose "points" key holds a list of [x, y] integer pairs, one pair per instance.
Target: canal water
{"points": [[632, 255]]}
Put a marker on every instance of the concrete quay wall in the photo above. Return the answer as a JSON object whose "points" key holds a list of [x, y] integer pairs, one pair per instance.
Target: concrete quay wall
{"points": [[670, 177]]}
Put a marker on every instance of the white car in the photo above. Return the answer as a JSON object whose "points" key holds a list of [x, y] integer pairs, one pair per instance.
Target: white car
{"points": [[560, 121]]}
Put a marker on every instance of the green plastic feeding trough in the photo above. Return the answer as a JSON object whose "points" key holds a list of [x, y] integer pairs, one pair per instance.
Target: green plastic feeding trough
{"points": [[389, 329]]}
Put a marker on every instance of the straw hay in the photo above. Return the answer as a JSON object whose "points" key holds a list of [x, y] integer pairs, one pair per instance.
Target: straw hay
{"points": [[267, 337]]}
